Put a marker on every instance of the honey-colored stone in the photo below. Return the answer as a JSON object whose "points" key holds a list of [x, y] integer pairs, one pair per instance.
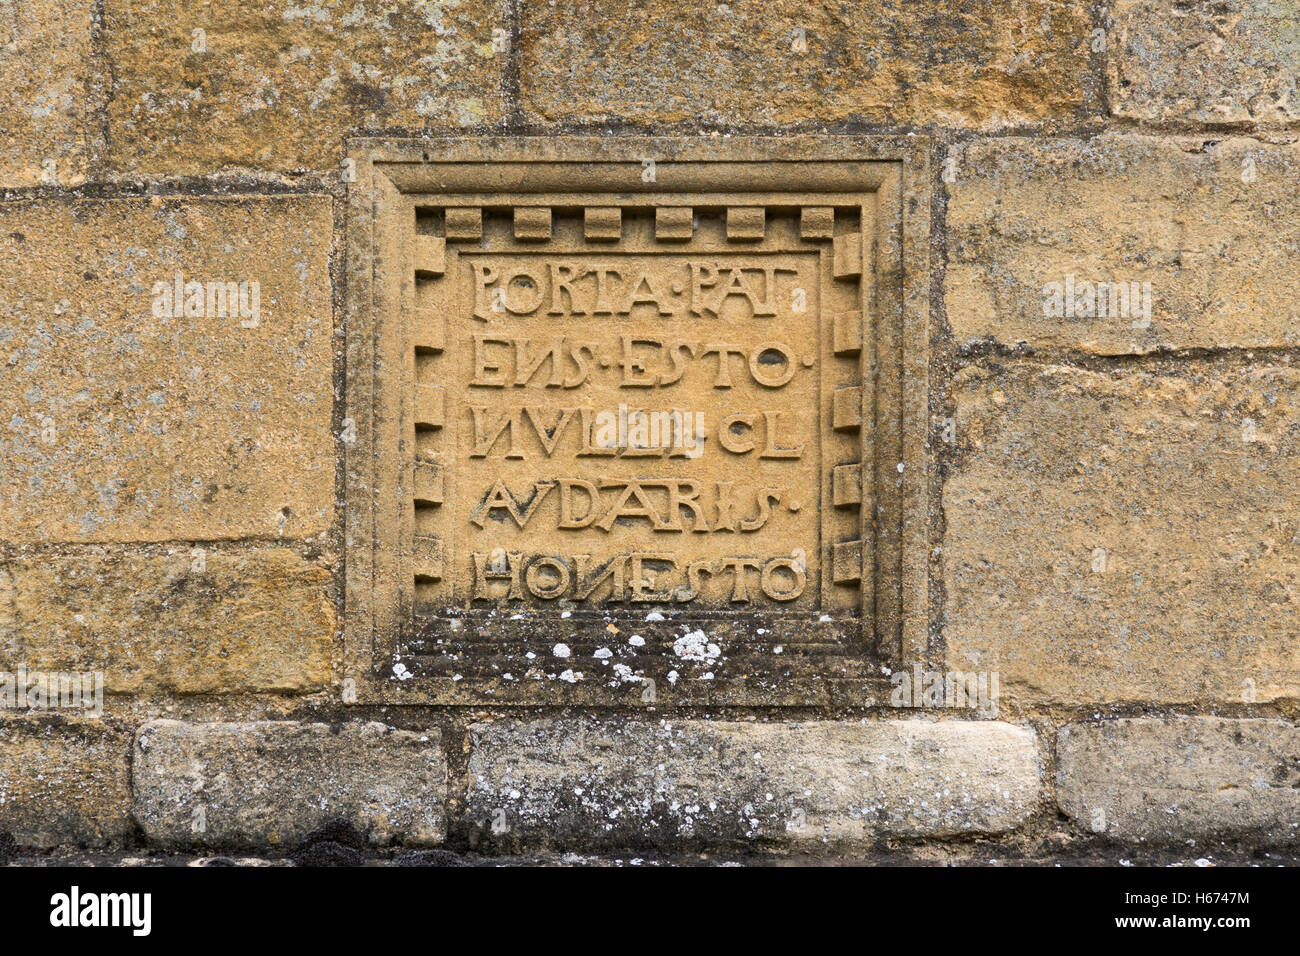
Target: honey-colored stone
{"points": [[576, 440], [614, 447], [1126, 536], [1231, 61], [780, 61], [185, 619], [279, 85], [49, 89], [122, 424], [64, 781], [1203, 227]]}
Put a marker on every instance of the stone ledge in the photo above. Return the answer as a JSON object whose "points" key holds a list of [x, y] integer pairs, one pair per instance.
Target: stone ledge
{"points": [[581, 782], [271, 783], [1167, 780], [64, 781]]}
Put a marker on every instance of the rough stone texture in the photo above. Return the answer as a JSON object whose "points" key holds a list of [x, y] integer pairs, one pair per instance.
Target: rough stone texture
{"points": [[1174, 212], [282, 84], [123, 426], [964, 65], [1111, 529], [273, 782], [1197, 600], [697, 595], [64, 781], [574, 782], [261, 620], [1224, 61], [1169, 780], [47, 92]]}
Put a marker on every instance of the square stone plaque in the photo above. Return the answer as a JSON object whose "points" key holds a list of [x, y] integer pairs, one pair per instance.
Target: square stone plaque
{"points": [[635, 421]]}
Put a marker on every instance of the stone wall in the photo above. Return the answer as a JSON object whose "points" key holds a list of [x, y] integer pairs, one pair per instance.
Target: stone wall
{"points": [[1115, 532]]}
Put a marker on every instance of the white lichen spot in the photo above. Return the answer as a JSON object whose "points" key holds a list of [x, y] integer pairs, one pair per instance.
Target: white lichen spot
{"points": [[695, 646]]}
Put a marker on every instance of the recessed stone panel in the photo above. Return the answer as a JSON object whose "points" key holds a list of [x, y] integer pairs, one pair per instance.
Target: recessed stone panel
{"points": [[621, 424]]}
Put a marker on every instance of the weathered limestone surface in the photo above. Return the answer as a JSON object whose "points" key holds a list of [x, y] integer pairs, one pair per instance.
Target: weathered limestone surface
{"points": [[123, 425], [1109, 524], [574, 782], [273, 782], [187, 620], [1208, 222], [1168, 780], [1231, 61], [48, 89], [1016, 63], [279, 85], [545, 461], [1126, 536], [64, 781]]}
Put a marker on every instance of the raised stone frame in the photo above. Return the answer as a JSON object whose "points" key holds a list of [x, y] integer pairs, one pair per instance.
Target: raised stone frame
{"points": [[862, 205]]}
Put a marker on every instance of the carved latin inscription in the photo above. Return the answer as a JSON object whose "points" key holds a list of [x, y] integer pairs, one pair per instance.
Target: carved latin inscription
{"points": [[648, 403], [636, 421]]}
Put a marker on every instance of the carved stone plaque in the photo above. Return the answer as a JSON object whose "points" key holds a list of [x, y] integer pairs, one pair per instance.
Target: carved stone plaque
{"points": [[628, 420]]}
